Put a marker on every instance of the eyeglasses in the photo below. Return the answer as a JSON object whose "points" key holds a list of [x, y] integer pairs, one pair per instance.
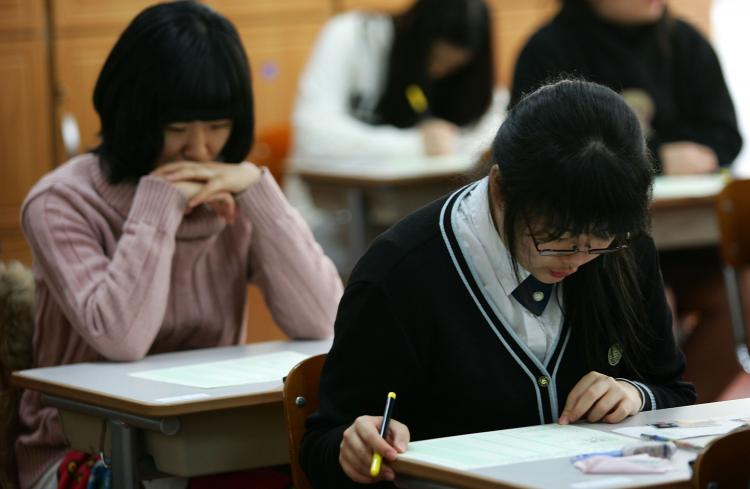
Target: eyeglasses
{"points": [[614, 247]]}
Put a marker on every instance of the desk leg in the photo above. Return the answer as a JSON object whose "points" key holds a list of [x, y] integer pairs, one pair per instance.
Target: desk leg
{"points": [[124, 464], [356, 201]]}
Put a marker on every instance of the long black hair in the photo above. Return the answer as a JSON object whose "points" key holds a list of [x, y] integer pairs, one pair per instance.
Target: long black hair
{"points": [[572, 158], [460, 97], [178, 61]]}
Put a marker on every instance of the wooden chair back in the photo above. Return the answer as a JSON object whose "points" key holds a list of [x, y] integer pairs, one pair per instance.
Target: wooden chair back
{"points": [[733, 212], [300, 400], [734, 223], [272, 145], [725, 464]]}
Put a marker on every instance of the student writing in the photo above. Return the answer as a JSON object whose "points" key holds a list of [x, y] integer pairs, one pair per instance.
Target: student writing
{"points": [[532, 296]]}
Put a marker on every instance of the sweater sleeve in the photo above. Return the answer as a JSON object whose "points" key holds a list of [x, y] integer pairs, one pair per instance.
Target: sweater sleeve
{"points": [[299, 283], [371, 355], [660, 380], [707, 111], [116, 303], [323, 123]]}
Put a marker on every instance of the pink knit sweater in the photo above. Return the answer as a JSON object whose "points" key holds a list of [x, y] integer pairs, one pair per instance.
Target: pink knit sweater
{"points": [[121, 273]]}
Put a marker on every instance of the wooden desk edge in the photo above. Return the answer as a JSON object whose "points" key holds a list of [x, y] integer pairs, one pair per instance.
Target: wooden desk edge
{"points": [[146, 410], [448, 476], [464, 480], [672, 202], [366, 182]]}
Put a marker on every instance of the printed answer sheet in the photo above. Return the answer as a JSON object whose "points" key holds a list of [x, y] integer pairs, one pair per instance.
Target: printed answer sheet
{"points": [[250, 370], [512, 446]]}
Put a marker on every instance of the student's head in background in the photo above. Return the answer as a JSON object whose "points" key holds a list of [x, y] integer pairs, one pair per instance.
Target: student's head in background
{"points": [[571, 172], [445, 48], [177, 78], [625, 12]]}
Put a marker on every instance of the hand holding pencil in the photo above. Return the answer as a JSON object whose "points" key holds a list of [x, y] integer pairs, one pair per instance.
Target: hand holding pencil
{"points": [[362, 440], [438, 135]]}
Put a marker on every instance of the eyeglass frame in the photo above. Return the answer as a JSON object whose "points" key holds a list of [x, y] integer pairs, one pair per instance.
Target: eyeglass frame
{"points": [[575, 250]]}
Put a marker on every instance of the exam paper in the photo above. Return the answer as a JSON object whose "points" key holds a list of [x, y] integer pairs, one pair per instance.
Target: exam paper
{"points": [[684, 186], [512, 446], [249, 370], [715, 427]]}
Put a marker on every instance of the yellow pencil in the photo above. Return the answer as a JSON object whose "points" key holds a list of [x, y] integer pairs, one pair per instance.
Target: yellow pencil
{"points": [[377, 458]]}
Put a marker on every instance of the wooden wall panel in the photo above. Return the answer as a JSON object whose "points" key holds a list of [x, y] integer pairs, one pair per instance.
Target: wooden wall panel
{"points": [[79, 60], [24, 132], [377, 5], [277, 56], [76, 17], [21, 16], [243, 12]]}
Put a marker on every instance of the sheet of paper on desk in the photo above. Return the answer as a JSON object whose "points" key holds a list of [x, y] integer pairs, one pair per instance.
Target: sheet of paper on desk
{"points": [[683, 430], [684, 186], [249, 370], [511, 446]]}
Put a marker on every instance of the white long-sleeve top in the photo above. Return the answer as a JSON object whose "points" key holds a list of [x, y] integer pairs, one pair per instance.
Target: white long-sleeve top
{"points": [[340, 87]]}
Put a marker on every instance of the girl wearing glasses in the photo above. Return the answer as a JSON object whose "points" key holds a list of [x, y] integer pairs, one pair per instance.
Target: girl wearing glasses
{"points": [[531, 296]]}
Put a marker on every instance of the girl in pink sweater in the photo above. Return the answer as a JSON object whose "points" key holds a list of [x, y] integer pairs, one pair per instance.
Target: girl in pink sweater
{"points": [[147, 244]]}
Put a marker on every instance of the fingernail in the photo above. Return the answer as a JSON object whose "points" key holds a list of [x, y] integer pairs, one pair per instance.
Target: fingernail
{"points": [[563, 419]]}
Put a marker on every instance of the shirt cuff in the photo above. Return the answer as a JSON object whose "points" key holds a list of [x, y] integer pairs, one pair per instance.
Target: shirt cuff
{"points": [[640, 388]]}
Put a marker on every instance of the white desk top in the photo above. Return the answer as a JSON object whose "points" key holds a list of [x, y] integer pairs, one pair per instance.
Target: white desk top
{"points": [[559, 473], [108, 384], [688, 186], [394, 170], [387, 171]]}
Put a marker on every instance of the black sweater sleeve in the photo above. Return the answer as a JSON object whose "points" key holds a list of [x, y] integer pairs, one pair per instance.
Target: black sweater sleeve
{"points": [[371, 355], [707, 112], [662, 374]]}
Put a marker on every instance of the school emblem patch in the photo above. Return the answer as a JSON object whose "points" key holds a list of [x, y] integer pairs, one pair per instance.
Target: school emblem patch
{"points": [[614, 355]]}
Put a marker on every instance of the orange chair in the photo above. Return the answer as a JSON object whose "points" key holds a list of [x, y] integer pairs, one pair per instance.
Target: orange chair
{"points": [[271, 149], [300, 400], [725, 463], [733, 210]]}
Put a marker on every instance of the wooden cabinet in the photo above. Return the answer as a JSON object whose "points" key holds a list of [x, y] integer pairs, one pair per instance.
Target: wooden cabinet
{"points": [[78, 62], [24, 16], [25, 115]]}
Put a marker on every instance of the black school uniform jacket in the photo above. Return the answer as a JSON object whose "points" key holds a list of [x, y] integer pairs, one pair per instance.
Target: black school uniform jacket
{"points": [[414, 321], [672, 63]]}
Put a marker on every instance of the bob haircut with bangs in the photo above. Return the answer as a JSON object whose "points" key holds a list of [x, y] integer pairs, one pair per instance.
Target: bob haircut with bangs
{"points": [[175, 62], [572, 159]]}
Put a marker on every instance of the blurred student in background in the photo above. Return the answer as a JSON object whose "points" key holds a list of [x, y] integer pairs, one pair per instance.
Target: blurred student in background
{"points": [[666, 70], [379, 88], [530, 296], [416, 83], [146, 245], [671, 77]]}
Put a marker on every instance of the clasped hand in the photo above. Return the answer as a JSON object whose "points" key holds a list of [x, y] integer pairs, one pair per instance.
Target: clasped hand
{"points": [[210, 183]]}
